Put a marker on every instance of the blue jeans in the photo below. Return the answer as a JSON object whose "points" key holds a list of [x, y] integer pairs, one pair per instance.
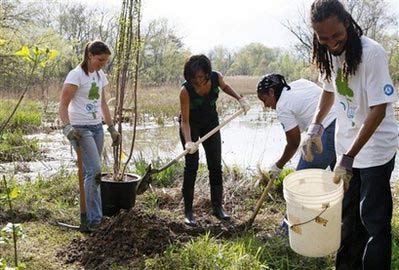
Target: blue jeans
{"points": [[91, 145], [366, 220], [327, 157]]}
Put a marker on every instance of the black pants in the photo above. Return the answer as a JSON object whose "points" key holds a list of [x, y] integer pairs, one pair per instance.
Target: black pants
{"points": [[213, 152], [366, 220]]}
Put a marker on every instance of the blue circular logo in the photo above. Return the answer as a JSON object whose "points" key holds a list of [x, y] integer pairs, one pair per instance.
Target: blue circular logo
{"points": [[89, 107], [388, 89], [343, 105]]}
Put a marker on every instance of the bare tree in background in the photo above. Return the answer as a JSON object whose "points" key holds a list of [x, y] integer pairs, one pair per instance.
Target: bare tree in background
{"points": [[374, 16], [302, 30], [12, 16]]}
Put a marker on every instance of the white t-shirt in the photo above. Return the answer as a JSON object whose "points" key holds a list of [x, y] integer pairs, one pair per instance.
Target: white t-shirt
{"points": [[297, 106], [85, 106], [371, 85]]}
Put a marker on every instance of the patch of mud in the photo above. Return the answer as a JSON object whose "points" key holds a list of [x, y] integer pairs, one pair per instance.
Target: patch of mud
{"points": [[132, 236]]}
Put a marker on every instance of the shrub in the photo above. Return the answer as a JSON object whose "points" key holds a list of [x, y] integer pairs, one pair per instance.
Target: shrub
{"points": [[14, 147], [28, 118]]}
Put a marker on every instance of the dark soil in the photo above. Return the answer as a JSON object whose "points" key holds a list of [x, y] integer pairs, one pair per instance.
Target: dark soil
{"points": [[132, 236]]}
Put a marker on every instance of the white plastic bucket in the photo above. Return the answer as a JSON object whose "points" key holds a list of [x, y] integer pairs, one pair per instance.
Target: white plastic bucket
{"points": [[314, 206]]}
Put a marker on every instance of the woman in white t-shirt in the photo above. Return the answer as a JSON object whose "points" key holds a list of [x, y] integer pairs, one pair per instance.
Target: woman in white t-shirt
{"points": [[82, 110], [295, 105]]}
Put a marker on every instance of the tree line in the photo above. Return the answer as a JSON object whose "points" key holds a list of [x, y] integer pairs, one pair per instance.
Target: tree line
{"points": [[67, 26]]}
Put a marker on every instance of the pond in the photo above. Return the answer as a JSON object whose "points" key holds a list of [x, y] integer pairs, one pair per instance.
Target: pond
{"points": [[248, 140]]}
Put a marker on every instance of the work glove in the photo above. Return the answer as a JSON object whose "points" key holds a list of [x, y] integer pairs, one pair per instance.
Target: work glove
{"points": [[274, 171], [71, 133], [115, 135], [191, 147], [343, 171], [312, 142], [244, 104]]}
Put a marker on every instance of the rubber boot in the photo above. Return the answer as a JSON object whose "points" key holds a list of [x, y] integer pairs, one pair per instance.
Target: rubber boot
{"points": [[216, 198], [188, 208]]}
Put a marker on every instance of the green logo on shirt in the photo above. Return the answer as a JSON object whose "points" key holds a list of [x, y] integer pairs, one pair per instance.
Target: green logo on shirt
{"points": [[93, 93], [342, 85]]}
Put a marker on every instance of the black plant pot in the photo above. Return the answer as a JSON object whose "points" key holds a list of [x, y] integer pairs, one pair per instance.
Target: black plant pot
{"points": [[116, 195]]}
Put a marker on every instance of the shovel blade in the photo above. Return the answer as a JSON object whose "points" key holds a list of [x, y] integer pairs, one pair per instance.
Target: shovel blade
{"points": [[145, 181]]}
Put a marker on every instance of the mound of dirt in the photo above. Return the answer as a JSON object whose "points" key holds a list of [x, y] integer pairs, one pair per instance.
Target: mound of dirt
{"points": [[132, 236]]}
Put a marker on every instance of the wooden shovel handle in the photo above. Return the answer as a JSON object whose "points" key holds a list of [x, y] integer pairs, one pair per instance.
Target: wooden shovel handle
{"points": [[201, 140], [260, 202], [82, 198]]}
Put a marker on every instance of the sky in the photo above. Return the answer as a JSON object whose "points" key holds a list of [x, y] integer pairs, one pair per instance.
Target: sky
{"points": [[204, 24]]}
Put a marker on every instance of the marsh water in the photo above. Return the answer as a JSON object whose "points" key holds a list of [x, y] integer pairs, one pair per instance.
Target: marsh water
{"points": [[248, 140]]}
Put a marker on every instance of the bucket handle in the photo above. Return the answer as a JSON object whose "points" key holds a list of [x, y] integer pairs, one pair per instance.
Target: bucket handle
{"points": [[318, 219]]}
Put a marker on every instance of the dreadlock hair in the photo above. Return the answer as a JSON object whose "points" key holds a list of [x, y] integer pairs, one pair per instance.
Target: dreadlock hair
{"points": [[321, 10], [275, 81], [197, 63], [95, 47]]}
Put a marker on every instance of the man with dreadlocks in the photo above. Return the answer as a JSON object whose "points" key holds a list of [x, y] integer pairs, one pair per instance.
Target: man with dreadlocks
{"points": [[354, 71]]}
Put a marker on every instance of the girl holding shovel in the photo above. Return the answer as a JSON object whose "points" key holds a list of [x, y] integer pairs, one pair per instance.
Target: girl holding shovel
{"points": [[82, 109], [198, 97]]}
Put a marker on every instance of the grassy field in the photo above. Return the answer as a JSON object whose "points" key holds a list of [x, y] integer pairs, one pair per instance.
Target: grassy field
{"points": [[40, 204], [154, 103], [157, 104], [167, 244]]}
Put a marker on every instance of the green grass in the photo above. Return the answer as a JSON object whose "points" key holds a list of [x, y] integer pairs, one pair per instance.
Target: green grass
{"points": [[206, 252], [165, 178], [37, 207], [15, 147], [42, 202], [56, 198], [242, 252], [27, 118], [38, 249], [278, 183]]}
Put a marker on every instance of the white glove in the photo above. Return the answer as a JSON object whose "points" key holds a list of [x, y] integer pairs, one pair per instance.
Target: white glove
{"points": [[343, 171], [244, 104], [191, 147], [71, 133], [312, 142], [274, 171]]}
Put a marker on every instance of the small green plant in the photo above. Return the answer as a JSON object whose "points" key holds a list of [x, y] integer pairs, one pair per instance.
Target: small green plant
{"points": [[12, 231], [278, 183], [27, 119], [165, 178], [15, 147], [207, 252], [150, 202], [47, 199], [35, 57]]}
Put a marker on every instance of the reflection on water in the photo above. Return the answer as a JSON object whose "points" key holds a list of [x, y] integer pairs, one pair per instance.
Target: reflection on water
{"points": [[246, 141], [255, 138]]}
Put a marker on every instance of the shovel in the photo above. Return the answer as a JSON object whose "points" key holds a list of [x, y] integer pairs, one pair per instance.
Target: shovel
{"points": [[262, 198], [145, 181], [82, 200]]}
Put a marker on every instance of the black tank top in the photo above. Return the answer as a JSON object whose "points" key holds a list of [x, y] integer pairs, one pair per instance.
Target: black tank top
{"points": [[203, 108]]}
